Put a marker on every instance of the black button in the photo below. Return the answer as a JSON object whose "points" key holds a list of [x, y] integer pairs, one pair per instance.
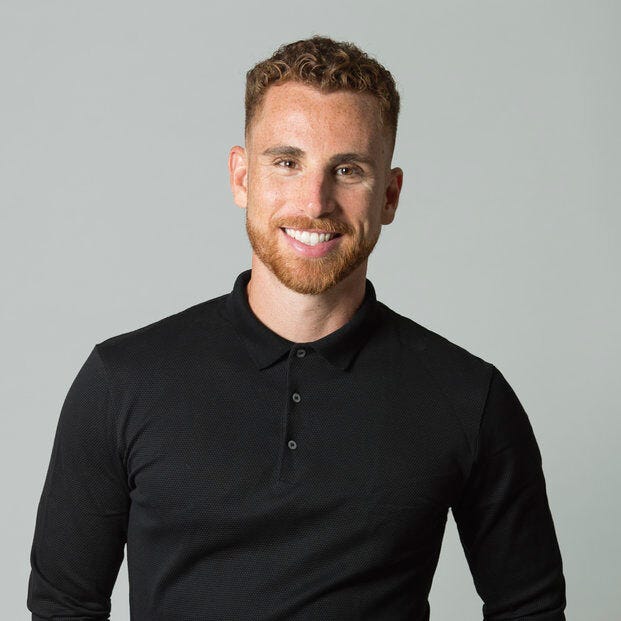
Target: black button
{"points": [[292, 444], [300, 353], [296, 397]]}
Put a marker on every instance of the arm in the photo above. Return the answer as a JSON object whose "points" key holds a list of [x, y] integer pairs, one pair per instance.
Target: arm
{"points": [[504, 520], [81, 524]]}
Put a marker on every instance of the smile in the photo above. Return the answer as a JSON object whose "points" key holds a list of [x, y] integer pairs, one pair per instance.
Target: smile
{"points": [[308, 238]]}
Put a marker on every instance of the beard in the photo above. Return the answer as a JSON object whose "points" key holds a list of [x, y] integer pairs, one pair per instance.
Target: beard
{"points": [[309, 275]]}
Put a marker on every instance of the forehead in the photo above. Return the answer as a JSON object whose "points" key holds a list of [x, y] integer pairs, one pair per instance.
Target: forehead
{"points": [[306, 112]]}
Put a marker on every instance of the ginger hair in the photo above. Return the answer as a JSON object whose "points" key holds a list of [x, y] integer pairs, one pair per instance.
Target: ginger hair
{"points": [[329, 66]]}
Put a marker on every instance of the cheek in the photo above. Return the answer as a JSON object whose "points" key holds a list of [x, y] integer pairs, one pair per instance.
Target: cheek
{"points": [[266, 194], [274, 187], [362, 208]]}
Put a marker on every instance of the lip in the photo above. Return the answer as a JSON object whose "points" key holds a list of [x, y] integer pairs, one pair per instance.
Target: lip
{"points": [[319, 250]]}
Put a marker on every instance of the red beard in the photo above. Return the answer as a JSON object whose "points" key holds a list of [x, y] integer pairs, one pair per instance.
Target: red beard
{"points": [[309, 275]]}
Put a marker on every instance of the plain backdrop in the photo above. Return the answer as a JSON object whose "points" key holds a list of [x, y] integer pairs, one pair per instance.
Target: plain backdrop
{"points": [[115, 123]]}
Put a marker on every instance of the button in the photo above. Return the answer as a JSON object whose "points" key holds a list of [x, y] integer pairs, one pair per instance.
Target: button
{"points": [[292, 444], [300, 353], [296, 397]]}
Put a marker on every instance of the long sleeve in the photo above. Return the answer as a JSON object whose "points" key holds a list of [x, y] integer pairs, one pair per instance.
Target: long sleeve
{"points": [[81, 524], [504, 520]]}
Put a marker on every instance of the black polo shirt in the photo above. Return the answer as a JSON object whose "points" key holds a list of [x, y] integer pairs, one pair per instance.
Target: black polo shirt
{"points": [[258, 479]]}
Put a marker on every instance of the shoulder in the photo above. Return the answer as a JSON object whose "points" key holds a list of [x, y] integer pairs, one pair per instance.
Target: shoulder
{"points": [[436, 348], [166, 338], [461, 375]]}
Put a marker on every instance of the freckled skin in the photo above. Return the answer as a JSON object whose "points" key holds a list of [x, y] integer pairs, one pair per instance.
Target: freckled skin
{"points": [[307, 181]]}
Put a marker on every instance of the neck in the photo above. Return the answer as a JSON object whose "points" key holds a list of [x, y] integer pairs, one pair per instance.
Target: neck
{"points": [[299, 317]]}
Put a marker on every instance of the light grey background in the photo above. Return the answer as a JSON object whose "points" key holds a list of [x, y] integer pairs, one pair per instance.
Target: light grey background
{"points": [[115, 124]]}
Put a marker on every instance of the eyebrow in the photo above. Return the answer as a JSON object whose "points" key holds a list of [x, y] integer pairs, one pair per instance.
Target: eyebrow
{"points": [[284, 151], [351, 158], [339, 158]]}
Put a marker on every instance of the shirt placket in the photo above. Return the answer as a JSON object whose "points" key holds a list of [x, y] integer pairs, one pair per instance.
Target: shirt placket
{"points": [[296, 390]]}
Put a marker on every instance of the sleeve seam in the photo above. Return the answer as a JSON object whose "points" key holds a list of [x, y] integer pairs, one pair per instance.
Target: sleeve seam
{"points": [[477, 440], [112, 415]]}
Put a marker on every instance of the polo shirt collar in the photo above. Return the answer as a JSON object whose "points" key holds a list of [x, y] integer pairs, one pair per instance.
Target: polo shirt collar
{"points": [[266, 347]]}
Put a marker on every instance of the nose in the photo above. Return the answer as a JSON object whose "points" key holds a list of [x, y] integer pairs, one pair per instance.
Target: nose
{"points": [[316, 196]]}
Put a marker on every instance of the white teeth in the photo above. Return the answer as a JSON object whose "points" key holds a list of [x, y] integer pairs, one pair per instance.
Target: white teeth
{"points": [[310, 239]]}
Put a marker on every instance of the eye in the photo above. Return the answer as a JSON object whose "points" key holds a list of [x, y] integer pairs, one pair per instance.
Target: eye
{"points": [[285, 163], [348, 171]]}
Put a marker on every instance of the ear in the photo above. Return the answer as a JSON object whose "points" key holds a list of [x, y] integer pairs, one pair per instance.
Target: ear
{"points": [[238, 175], [393, 189]]}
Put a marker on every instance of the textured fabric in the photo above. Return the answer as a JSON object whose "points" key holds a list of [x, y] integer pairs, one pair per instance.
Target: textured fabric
{"points": [[258, 479]]}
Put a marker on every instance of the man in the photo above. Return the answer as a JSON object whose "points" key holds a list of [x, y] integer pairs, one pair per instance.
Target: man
{"points": [[290, 451]]}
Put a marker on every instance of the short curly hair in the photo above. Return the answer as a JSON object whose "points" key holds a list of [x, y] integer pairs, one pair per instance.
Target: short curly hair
{"points": [[329, 66]]}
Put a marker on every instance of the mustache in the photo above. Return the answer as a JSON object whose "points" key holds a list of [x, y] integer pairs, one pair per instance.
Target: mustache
{"points": [[327, 225]]}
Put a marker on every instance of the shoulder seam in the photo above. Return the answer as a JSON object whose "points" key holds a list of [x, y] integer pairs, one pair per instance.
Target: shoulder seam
{"points": [[477, 440], [113, 415]]}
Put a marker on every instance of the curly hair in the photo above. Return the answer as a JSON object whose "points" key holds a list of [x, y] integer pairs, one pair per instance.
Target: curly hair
{"points": [[329, 66]]}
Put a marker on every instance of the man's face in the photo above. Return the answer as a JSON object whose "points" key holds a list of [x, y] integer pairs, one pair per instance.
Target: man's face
{"points": [[315, 180]]}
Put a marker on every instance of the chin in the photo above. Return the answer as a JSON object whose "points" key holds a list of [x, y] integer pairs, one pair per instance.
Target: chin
{"points": [[314, 276], [306, 275]]}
